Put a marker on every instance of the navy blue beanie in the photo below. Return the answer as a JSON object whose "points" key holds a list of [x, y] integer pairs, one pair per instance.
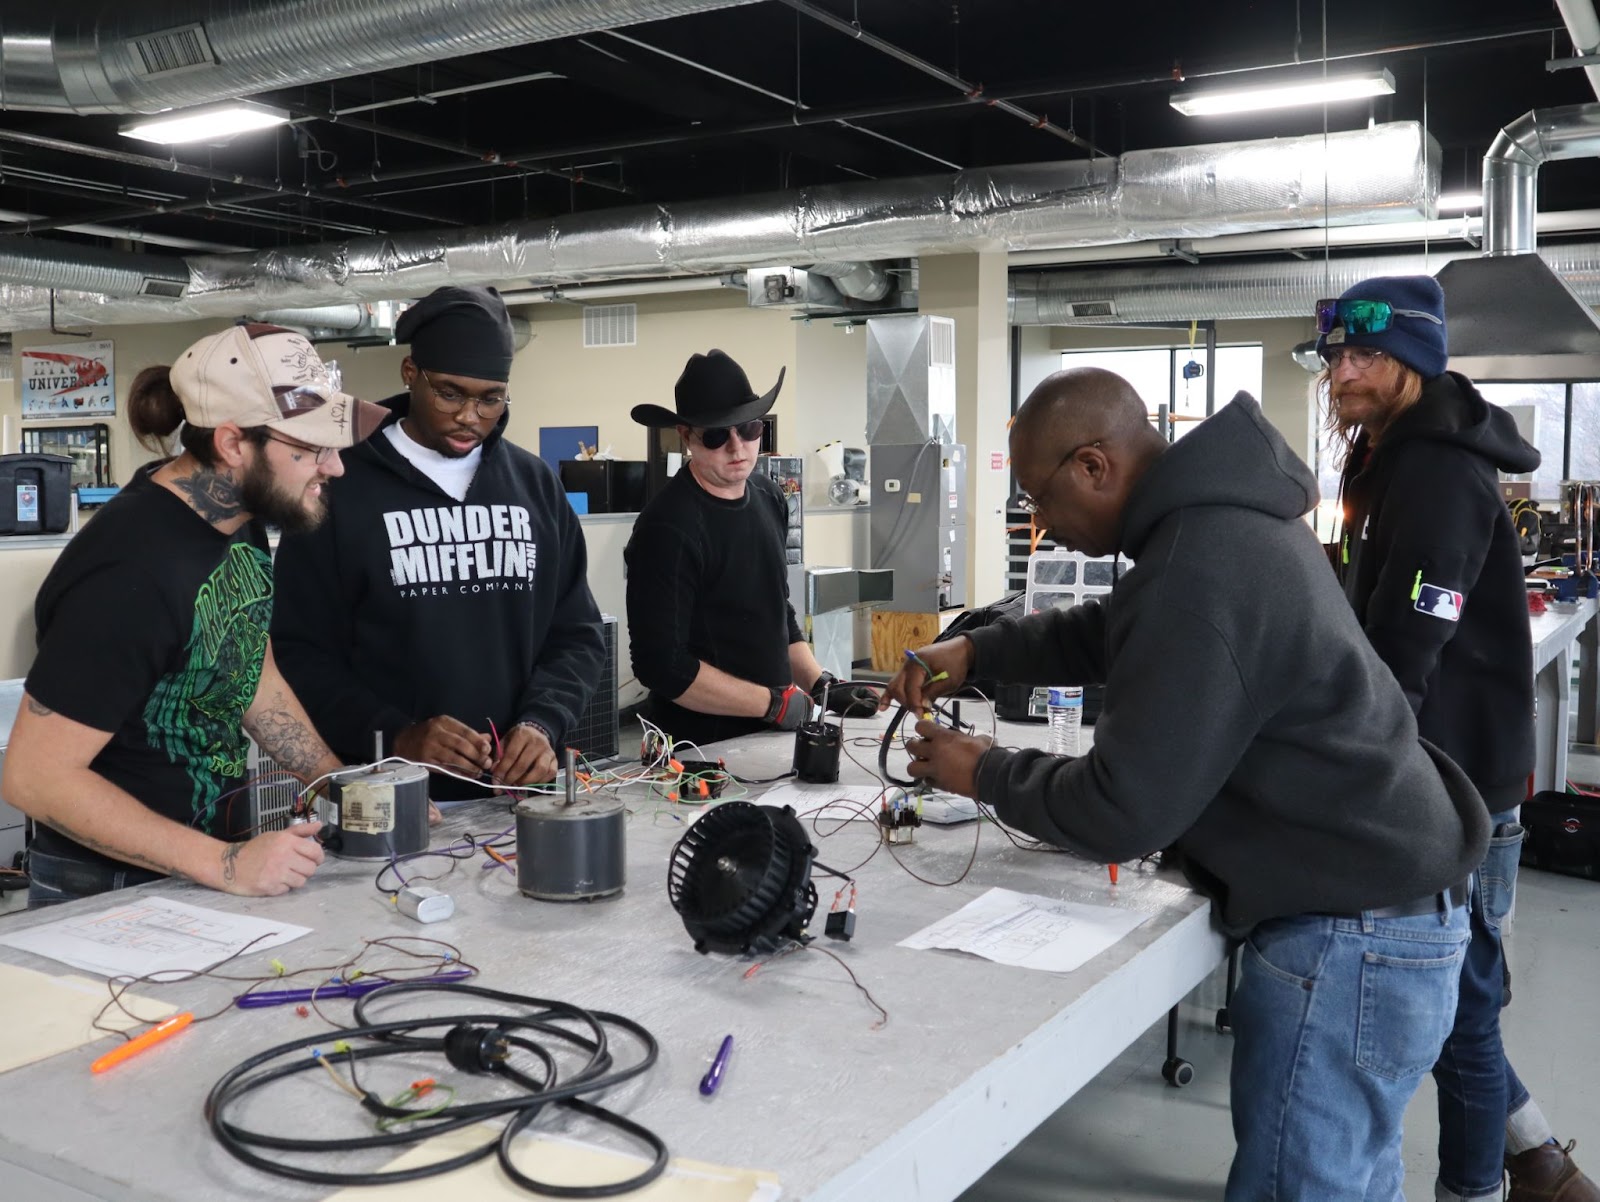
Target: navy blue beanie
{"points": [[1417, 342]]}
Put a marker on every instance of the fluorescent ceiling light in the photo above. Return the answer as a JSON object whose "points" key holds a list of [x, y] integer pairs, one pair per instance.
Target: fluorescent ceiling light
{"points": [[1303, 89], [1460, 202], [207, 123]]}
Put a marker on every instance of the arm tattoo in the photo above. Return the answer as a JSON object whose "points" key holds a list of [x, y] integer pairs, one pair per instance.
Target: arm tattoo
{"points": [[287, 739], [38, 710], [213, 496], [230, 854], [117, 853]]}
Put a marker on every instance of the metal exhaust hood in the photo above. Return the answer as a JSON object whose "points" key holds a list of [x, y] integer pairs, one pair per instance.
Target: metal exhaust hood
{"points": [[1512, 318]]}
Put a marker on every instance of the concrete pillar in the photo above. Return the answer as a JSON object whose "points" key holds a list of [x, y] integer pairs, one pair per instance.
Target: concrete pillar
{"points": [[971, 289]]}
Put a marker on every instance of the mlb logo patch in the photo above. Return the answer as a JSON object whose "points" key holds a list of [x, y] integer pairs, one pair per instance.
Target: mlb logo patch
{"points": [[1440, 602]]}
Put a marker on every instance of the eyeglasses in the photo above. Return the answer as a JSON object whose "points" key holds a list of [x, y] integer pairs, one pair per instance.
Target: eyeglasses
{"points": [[716, 436], [1359, 357], [323, 454], [1027, 503], [1363, 316], [452, 400]]}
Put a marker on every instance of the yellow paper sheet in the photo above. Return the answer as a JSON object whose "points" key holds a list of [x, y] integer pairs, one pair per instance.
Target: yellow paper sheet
{"points": [[562, 1162], [42, 1016]]}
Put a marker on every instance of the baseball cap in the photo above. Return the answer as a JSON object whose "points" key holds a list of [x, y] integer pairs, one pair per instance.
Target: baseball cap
{"points": [[263, 375]]}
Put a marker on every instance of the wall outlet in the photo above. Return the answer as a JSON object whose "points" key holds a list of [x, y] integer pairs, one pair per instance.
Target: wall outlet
{"points": [[891, 486]]}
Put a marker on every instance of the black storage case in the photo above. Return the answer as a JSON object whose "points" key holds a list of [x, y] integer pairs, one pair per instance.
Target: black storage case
{"points": [[43, 480], [613, 485]]}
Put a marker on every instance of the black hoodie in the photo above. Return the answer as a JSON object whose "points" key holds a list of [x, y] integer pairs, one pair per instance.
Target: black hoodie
{"points": [[406, 603], [1247, 720], [1429, 558]]}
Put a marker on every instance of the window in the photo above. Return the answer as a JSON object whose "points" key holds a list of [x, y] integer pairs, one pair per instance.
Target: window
{"points": [[1157, 376], [1541, 410]]}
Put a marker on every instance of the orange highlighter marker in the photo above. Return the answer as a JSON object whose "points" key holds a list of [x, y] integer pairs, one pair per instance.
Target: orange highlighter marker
{"points": [[138, 1044]]}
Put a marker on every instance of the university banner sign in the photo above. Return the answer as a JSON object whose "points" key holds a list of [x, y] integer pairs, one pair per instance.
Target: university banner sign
{"points": [[67, 381]]}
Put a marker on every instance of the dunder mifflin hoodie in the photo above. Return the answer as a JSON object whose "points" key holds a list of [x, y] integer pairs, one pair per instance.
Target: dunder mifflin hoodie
{"points": [[406, 603]]}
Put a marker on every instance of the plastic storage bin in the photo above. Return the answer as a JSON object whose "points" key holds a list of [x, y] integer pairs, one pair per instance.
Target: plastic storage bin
{"points": [[35, 494]]}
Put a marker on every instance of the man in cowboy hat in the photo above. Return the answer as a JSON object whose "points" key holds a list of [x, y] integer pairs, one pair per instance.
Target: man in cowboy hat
{"points": [[711, 631]]}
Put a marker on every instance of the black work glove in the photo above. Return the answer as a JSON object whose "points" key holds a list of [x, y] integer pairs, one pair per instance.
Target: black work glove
{"points": [[846, 700], [788, 708]]}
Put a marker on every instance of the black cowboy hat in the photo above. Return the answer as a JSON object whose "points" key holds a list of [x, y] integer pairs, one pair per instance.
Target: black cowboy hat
{"points": [[712, 391]]}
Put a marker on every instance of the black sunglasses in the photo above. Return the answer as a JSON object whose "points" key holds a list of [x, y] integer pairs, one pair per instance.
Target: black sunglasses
{"points": [[716, 436]]}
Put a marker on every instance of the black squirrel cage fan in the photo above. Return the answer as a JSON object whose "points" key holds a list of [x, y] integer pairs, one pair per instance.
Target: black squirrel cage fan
{"points": [[741, 879]]}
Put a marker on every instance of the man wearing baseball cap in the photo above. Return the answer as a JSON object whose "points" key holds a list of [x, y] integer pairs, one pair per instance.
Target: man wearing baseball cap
{"points": [[1430, 560], [710, 627], [129, 750], [445, 605]]}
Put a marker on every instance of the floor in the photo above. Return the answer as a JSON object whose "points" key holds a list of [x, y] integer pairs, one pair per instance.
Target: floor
{"points": [[1130, 1137]]}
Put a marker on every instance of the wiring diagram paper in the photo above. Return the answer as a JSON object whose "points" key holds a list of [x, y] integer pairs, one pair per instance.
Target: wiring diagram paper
{"points": [[149, 935], [1028, 931]]}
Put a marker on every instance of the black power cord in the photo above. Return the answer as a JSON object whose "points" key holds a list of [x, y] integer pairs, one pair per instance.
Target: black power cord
{"points": [[478, 1044], [952, 716]]}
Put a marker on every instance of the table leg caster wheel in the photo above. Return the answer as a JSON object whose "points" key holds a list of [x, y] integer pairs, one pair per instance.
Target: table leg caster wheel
{"points": [[1224, 1024], [1178, 1073]]}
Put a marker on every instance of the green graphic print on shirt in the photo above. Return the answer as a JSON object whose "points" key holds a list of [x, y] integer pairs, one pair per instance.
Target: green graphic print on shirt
{"points": [[195, 714]]}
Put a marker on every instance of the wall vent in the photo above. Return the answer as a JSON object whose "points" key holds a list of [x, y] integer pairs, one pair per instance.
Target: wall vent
{"points": [[941, 343], [1103, 308], [610, 325], [167, 289], [169, 50]]}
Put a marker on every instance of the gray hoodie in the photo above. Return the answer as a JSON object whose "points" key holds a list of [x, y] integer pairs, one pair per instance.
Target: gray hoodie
{"points": [[1247, 720]]}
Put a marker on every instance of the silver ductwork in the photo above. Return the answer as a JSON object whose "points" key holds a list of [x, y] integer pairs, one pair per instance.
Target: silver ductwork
{"points": [[327, 317], [1511, 317], [1511, 170], [858, 281], [1260, 288], [147, 58], [1386, 173], [42, 264]]}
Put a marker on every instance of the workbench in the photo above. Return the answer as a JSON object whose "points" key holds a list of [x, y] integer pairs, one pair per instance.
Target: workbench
{"points": [[1560, 632], [973, 1057]]}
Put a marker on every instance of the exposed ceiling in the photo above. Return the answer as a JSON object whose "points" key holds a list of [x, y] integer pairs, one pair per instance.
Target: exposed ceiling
{"points": [[771, 96]]}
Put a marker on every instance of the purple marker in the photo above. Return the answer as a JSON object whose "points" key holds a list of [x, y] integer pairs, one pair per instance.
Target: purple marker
{"points": [[713, 1077]]}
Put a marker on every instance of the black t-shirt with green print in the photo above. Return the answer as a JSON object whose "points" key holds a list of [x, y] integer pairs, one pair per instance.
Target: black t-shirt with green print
{"points": [[153, 626]]}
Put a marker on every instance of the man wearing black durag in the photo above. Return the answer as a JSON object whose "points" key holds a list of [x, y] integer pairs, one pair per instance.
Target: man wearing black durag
{"points": [[444, 604]]}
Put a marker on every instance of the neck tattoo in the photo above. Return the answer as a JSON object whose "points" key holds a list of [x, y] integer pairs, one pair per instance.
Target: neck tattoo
{"points": [[213, 496]]}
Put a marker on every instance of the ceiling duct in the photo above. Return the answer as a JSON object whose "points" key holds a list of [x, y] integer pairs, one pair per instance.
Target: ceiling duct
{"points": [[858, 281], [142, 58], [42, 264], [1149, 293], [1385, 173], [1511, 317]]}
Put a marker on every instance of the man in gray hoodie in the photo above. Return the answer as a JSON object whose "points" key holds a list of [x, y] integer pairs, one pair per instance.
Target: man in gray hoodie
{"points": [[1249, 725]]}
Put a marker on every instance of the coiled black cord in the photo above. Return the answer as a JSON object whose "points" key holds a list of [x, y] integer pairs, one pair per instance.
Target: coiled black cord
{"points": [[472, 1043]]}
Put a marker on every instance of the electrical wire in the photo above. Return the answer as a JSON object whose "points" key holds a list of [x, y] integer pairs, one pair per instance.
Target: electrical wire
{"points": [[476, 1044]]}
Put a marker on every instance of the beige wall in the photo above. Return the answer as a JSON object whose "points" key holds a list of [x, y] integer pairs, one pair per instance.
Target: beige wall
{"points": [[556, 382], [971, 288]]}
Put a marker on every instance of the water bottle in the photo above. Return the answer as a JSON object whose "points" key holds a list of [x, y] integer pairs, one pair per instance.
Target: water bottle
{"points": [[1065, 710]]}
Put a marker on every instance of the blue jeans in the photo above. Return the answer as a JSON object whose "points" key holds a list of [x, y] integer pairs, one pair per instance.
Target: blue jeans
{"points": [[1335, 1021], [54, 879], [1477, 1086]]}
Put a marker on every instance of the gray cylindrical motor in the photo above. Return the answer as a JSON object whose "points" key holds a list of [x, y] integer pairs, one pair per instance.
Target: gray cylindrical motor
{"points": [[571, 848], [376, 814]]}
